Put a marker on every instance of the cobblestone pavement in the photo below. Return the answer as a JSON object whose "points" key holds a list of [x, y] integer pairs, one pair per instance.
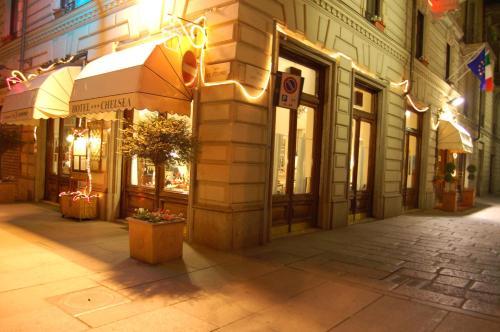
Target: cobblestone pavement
{"points": [[423, 271]]}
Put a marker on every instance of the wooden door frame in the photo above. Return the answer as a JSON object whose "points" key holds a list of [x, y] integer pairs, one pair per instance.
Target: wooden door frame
{"points": [[418, 134], [59, 177], [328, 69], [370, 118]]}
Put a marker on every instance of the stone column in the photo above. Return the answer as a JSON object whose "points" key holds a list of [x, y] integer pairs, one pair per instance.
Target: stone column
{"points": [[229, 188]]}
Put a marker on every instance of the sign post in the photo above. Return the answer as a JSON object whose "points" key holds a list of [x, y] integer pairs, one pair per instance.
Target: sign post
{"points": [[289, 90]]}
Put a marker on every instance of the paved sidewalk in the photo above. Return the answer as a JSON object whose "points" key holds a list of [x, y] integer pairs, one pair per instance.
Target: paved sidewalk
{"points": [[427, 271]]}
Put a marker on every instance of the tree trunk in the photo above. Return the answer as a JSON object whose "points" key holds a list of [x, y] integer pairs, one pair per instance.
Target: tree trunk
{"points": [[157, 187]]}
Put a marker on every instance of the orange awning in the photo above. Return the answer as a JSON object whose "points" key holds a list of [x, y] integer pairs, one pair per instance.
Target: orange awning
{"points": [[45, 96], [148, 76]]}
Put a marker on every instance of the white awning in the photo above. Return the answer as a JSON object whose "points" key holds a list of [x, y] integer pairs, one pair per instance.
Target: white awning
{"points": [[46, 96], [148, 76], [454, 137]]}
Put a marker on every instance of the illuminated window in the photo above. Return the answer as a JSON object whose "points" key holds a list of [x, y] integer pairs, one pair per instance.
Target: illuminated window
{"points": [[372, 8], [142, 171], [69, 5], [95, 135]]}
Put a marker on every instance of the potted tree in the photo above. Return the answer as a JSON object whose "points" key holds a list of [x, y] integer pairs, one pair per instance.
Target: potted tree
{"points": [[10, 138], [450, 192], [155, 237], [469, 194]]}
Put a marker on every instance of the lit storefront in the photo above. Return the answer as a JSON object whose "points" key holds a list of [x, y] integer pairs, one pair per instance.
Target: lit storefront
{"points": [[125, 87], [42, 102], [454, 143]]}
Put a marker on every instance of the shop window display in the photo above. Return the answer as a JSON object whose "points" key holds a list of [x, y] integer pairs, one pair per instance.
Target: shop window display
{"points": [[142, 172], [93, 135]]}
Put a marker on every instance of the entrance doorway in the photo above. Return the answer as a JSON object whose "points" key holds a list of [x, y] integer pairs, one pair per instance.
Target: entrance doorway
{"points": [[362, 158], [413, 135], [297, 152], [58, 157]]}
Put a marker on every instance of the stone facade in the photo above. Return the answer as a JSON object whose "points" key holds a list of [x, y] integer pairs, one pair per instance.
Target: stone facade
{"points": [[230, 197]]}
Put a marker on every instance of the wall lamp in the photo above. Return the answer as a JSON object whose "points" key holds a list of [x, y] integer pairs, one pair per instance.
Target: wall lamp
{"points": [[456, 101]]}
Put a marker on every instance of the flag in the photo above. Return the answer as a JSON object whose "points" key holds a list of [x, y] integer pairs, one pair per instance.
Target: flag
{"points": [[488, 73], [481, 67]]}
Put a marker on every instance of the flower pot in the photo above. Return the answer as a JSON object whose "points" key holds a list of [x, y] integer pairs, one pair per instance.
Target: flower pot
{"points": [[155, 243], [450, 202], [7, 192], [468, 197], [79, 208], [379, 25]]}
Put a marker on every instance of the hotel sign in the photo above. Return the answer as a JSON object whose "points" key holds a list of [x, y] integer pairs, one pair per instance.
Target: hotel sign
{"points": [[16, 116], [109, 104]]}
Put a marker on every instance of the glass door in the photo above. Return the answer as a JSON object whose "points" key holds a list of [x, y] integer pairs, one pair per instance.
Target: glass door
{"points": [[58, 157], [412, 159], [362, 157], [296, 158]]}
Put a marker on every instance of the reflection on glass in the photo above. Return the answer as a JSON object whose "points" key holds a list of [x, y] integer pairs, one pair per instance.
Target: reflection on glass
{"points": [[351, 157], [309, 74], [177, 178], [68, 125], [363, 155], [54, 169], [362, 100], [304, 150], [411, 175], [411, 120], [280, 158], [142, 173]]}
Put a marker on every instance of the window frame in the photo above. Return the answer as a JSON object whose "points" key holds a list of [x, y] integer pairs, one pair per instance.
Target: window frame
{"points": [[448, 62], [419, 37], [373, 8], [70, 5], [14, 18]]}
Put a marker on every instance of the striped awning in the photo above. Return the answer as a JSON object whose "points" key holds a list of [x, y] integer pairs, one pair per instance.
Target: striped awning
{"points": [[148, 76], [454, 137], [43, 97]]}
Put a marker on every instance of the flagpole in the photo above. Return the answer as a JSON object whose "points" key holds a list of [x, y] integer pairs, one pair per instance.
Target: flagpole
{"points": [[466, 62]]}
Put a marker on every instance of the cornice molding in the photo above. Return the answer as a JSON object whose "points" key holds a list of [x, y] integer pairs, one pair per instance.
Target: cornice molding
{"points": [[342, 13], [68, 22]]}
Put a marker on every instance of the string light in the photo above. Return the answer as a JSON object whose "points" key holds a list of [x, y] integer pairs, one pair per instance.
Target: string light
{"points": [[199, 26], [86, 194], [18, 77]]}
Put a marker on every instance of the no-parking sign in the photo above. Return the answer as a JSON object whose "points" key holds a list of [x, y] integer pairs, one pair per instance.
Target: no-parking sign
{"points": [[290, 88]]}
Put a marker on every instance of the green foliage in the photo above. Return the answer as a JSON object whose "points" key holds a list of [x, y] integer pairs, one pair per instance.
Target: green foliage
{"points": [[471, 168], [163, 140], [449, 168], [159, 216], [448, 177]]}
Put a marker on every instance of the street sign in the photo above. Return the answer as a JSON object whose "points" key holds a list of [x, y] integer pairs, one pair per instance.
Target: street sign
{"points": [[189, 68], [290, 89]]}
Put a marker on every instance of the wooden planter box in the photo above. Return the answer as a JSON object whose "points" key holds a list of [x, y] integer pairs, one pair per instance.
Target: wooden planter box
{"points": [[7, 192], [155, 243], [450, 201], [468, 197], [79, 209]]}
